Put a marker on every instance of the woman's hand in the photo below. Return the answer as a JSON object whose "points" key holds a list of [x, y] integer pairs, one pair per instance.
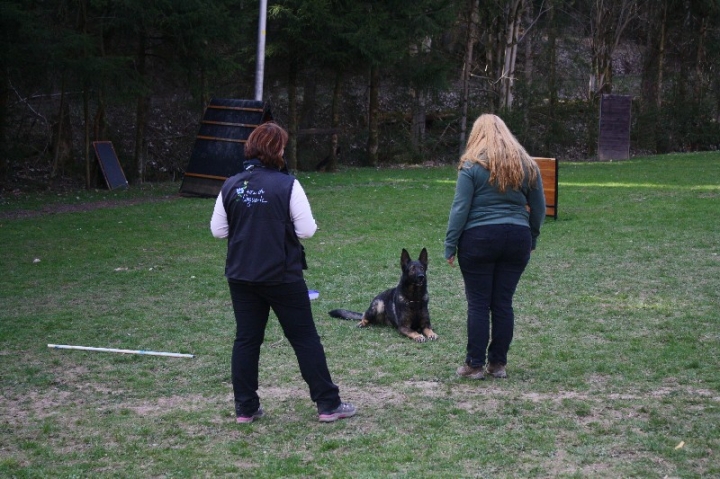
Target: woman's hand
{"points": [[451, 261]]}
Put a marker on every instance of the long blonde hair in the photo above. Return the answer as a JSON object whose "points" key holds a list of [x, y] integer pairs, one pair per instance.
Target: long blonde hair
{"points": [[495, 148]]}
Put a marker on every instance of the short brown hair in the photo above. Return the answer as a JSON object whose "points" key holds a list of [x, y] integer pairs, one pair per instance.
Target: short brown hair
{"points": [[266, 143]]}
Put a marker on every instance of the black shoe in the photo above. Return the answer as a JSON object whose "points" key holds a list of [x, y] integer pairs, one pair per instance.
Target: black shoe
{"points": [[248, 418]]}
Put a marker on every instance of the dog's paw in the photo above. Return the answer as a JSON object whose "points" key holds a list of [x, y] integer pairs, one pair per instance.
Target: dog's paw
{"points": [[419, 338], [430, 334]]}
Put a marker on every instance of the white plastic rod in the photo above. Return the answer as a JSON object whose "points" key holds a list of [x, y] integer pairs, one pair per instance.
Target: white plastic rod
{"points": [[124, 351]]}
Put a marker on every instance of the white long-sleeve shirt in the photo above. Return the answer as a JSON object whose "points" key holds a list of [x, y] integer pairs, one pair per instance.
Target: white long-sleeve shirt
{"points": [[300, 212]]}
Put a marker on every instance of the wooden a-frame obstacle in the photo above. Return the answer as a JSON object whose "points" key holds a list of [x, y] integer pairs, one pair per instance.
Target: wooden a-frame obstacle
{"points": [[219, 149]]}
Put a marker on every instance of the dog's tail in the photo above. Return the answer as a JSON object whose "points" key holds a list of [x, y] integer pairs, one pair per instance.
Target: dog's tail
{"points": [[345, 314]]}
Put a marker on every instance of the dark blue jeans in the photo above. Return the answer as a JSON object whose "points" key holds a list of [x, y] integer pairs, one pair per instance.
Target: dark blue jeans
{"points": [[290, 302], [492, 258]]}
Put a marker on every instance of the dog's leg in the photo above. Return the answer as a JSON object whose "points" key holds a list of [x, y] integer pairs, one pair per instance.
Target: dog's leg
{"points": [[374, 314], [430, 334]]}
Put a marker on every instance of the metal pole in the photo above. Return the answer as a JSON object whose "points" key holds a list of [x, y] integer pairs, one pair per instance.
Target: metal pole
{"points": [[260, 66]]}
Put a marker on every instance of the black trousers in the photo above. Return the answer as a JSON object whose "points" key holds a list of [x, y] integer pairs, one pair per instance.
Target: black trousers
{"points": [[492, 258], [291, 305]]}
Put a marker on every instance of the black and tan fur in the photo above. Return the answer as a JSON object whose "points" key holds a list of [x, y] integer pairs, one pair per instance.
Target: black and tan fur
{"points": [[404, 307]]}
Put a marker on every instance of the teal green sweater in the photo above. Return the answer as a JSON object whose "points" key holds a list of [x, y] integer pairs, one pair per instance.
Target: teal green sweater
{"points": [[478, 203]]}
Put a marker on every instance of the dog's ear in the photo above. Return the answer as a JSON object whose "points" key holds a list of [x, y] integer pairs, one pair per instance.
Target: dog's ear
{"points": [[424, 257], [404, 258]]}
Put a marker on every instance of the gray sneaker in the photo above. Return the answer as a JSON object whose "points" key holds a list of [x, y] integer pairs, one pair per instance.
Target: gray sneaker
{"points": [[470, 372], [345, 409]]}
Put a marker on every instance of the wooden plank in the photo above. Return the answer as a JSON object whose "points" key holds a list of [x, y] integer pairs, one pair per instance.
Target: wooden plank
{"points": [[210, 177], [213, 138], [227, 123], [549, 174], [237, 108], [110, 165]]}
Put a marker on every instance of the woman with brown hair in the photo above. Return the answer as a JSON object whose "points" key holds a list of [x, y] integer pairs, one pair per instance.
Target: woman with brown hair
{"points": [[495, 219], [263, 211]]}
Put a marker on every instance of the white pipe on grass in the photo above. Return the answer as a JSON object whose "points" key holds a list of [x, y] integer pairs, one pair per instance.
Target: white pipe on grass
{"points": [[125, 351]]}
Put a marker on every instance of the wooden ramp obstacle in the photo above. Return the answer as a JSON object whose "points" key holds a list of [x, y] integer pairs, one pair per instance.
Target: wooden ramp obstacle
{"points": [[549, 173], [219, 149]]}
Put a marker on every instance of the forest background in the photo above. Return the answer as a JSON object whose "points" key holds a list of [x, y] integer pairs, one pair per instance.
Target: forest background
{"points": [[361, 83]]}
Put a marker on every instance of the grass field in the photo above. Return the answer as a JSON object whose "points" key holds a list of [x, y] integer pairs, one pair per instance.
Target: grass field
{"points": [[614, 370]]}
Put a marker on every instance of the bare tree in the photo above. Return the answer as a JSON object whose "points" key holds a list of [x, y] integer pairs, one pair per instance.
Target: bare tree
{"points": [[512, 21], [608, 21], [661, 54], [419, 96], [291, 148], [471, 39], [529, 64], [373, 114], [335, 114], [505, 26]]}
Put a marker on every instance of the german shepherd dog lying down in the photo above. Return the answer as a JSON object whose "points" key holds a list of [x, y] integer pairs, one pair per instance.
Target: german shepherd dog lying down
{"points": [[404, 307]]}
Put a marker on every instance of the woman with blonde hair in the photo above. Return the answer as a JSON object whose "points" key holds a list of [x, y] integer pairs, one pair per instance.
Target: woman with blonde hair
{"points": [[495, 219]]}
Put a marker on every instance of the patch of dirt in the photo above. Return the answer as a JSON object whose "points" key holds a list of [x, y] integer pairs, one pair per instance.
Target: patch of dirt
{"points": [[60, 208], [41, 404]]}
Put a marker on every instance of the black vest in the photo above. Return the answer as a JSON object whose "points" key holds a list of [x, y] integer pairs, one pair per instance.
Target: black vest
{"points": [[262, 244]]}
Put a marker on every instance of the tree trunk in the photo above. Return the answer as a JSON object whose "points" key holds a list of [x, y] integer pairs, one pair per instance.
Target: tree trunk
{"points": [[492, 60], [649, 60], [527, 38], [100, 121], [4, 94], [140, 141], [100, 124], [62, 141], [90, 178], [373, 112], [309, 99], [419, 104], [507, 77], [649, 121], [141, 109], [419, 118], [661, 56], [474, 6], [336, 100], [90, 169], [307, 112], [607, 25], [291, 148], [552, 79], [699, 60], [716, 82]]}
